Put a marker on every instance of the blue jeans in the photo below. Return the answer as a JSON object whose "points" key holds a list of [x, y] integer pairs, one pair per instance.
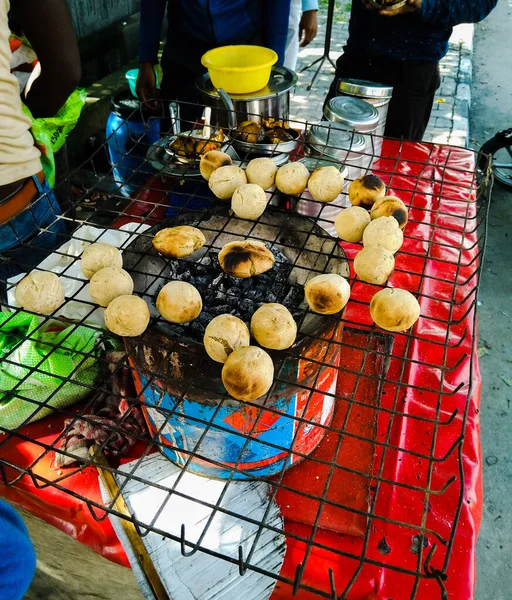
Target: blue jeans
{"points": [[31, 236]]}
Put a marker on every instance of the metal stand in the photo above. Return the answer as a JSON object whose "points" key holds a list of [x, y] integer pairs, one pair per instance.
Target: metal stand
{"points": [[327, 46]]}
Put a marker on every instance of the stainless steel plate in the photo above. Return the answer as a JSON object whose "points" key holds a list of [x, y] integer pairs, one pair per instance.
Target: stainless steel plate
{"points": [[265, 149]]}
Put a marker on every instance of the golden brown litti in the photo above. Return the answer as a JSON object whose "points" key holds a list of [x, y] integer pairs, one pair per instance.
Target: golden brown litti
{"points": [[384, 232], [127, 316], [249, 201], [223, 335], [224, 181], [326, 184], [245, 259], [273, 326], [180, 241], [179, 302], [394, 309], [109, 283], [351, 222], [292, 178], [390, 206], [98, 256], [40, 292], [262, 172], [212, 160], [374, 264], [248, 373], [366, 190], [327, 294]]}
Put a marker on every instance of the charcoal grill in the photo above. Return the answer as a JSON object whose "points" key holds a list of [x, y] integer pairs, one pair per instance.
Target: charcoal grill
{"points": [[396, 472]]}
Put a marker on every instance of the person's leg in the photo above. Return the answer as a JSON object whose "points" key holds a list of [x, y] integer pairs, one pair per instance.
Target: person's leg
{"points": [[178, 83], [292, 42]]}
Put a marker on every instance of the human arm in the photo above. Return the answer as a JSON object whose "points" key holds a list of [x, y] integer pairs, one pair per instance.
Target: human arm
{"points": [[443, 12], [47, 26], [276, 15], [151, 18], [308, 26]]}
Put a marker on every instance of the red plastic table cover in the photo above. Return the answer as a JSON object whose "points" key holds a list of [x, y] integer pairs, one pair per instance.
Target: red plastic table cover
{"points": [[435, 182]]}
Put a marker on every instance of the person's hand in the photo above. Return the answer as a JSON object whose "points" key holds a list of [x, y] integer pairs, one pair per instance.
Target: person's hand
{"points": [[308, 27], [146, 85], [410, 7]]}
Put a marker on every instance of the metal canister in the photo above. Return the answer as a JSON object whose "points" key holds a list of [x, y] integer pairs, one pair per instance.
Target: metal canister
{"points": [[354, 113], [377, 94], [324, 213], [331, 141]]}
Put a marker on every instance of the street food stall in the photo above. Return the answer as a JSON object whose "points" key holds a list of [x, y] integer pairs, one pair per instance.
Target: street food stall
{"points": [[313, 454]]}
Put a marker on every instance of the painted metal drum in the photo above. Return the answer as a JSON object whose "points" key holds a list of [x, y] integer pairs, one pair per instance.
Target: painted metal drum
{"points": [[325, 213]]}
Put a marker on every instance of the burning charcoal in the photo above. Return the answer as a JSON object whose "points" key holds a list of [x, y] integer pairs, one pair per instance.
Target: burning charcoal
{"points": [[197, 328], [234, 291], [220, 309], [246, 305], [271, 297], [204, 318]]}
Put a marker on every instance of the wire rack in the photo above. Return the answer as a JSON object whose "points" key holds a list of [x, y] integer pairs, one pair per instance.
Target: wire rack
{"points": [[396, 419]]}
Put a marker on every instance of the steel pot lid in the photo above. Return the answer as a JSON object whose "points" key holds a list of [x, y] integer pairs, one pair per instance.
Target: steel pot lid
{"points": [[332, 140], [313, 162], [281, 80], [353, 112], [364, 88]]}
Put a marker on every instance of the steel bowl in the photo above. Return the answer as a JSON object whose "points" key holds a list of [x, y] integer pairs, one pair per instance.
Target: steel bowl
{"points": [[266, 149]]}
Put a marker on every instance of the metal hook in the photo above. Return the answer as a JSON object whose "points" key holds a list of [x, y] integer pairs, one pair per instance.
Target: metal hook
{"points": [[184, 552], [436, 574], [242, 568]]}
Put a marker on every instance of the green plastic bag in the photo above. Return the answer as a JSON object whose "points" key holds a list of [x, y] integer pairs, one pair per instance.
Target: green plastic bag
{"points": [[51, 133], [22, 349]]}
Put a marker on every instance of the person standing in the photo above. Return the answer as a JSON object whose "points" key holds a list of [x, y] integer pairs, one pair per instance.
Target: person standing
{"points": [[29, 212], [196, 26], [401, 46], [302, 29]]}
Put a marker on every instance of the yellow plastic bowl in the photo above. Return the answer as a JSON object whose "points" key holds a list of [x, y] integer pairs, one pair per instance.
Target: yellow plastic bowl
{"points": [[239, 69]]}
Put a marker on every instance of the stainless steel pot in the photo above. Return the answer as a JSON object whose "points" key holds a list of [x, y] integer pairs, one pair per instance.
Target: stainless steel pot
{"points": [[272, 101]]}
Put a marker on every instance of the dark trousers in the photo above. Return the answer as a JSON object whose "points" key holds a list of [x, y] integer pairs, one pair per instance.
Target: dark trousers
{"points": [[414, 86], [178, 83]]}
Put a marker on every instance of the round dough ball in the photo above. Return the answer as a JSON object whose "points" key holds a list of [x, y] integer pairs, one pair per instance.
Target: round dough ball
{"points": [[109, 283], [326, 184], [127, 316], [212, 160], [262, 172], [180, 241], [245, 259], [374, 264], [292, 178], [351, 223], [223, 335], [224, 181], [384, 232], [327, 294], [249, 201], [98, 256], [394, 309], [179, 302], [273, 326], [366, 190], [390, 206], [40, 292], [248, 373]]}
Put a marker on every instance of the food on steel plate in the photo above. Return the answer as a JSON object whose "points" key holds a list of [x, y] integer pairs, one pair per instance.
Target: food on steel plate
{"points": [[248, 373], [273, 326], [394, 309], [292, 178], [40, 292], [224, 181], [374, 264], [277, 131], [179, 302], [249, 131], [327, 294], [245, 259], [326, 184], [390, 206], [191, 146], [249, 201], [127, 316], [223, 335], [98, 256], [180, 241], [384, 232], [109, 283], [261, 171], [366, 190], [351, 222], [212, 160]]}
